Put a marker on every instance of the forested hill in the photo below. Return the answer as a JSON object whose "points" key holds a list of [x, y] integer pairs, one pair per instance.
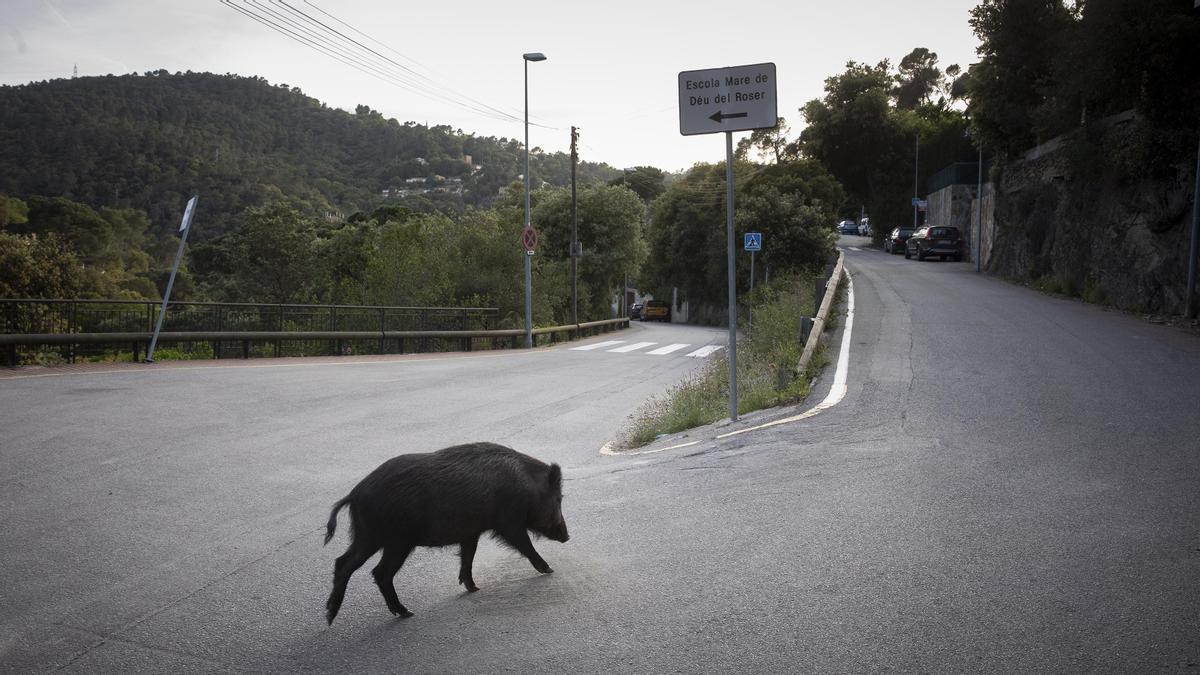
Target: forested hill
{"points": [[150, 141]]}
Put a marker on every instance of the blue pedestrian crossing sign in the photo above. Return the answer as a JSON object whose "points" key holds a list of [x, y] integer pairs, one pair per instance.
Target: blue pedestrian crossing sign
{"points": [[752, 241]]}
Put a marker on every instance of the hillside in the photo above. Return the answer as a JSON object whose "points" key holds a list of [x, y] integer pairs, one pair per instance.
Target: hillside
{"points": [[150, 141]]}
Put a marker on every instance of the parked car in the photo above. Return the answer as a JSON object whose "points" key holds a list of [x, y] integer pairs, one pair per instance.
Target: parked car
{"points": [[894, 242], [635, 310], [848, 227], [944, 242], [656, 311]]}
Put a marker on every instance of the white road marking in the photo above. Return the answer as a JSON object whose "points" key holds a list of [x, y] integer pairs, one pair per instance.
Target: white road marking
{"points": [[854, 248], [632, 348], [705, 351], [597, 345], [836, 393], [669, 348], [607, 449]]}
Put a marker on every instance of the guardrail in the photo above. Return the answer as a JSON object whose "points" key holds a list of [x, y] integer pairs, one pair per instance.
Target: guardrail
{"points": [[332, 342]]}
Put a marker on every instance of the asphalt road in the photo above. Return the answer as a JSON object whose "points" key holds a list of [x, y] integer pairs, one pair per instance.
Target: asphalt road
{"points": [[1009, 484]]}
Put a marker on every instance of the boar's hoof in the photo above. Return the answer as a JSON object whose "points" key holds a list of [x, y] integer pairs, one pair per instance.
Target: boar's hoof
{"points": [[546, 569], [403, 613]]}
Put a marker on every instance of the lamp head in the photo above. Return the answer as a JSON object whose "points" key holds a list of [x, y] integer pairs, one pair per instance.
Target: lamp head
{"points": [[534, 56]]}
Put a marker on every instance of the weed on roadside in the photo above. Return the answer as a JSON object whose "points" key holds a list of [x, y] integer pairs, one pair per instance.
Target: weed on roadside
{"points": [[768, 362]]}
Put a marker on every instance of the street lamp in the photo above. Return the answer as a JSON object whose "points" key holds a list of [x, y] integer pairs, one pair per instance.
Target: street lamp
{"points": [[532, 56]]}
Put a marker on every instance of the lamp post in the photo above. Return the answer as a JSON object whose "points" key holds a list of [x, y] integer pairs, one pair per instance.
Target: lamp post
{"points": [[532, 56]]}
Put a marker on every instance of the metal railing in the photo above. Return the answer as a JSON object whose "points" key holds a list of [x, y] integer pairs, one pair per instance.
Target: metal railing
{"points": [[68, 330]]}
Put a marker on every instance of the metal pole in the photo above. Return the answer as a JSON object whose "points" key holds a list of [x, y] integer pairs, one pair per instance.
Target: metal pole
{"points": [[750, 305], [528, 263], [574, 234], [979, 212], [625, 297], [186, 227], [1190, 310], [730, 262]]}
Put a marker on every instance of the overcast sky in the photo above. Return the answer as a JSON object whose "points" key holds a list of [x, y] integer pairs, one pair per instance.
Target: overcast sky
{"points": [[612, 66]]}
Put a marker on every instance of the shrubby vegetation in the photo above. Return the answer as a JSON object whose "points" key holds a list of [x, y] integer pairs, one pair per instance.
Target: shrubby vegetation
{"points": [[149, 142], [1050, 67], [792, 202], [768, 361]]}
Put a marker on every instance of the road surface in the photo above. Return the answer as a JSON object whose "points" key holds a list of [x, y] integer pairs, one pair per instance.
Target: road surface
{"points": [[1009, 484]]}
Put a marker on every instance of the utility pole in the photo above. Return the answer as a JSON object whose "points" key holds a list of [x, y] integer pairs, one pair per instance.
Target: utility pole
{"points": [[979, 212], [1190, 308], [574, 232]]}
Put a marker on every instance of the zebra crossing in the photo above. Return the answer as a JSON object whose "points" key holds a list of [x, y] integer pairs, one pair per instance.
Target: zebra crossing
{"points": [[620, 347]]}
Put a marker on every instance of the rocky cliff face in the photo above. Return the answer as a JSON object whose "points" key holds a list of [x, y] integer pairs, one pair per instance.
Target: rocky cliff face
{"points": [[1097, 218]]}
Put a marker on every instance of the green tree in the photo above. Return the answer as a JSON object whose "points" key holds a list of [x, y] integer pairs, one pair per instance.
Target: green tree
{"points": [[33, 266], [771, 143], [13, 211], [611, 229], [917, 79], [687, 236], [793, 205], [647, 181], [1018, 43], [271, 258], [411, 263]]}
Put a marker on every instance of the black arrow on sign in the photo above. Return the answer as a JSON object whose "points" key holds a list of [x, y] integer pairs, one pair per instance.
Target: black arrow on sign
{"points": [[719, 116]]}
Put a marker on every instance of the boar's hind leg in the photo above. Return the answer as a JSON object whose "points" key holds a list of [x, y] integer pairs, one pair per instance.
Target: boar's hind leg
{"points": [[518, 538], [346, 564], [466, 551], [392, 560]]}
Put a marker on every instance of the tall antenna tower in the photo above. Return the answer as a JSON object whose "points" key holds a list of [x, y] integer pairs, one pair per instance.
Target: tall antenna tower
{"points": [[75, 71]]}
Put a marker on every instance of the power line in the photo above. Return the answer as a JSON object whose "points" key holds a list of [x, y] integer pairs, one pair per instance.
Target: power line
{"points": [[400, 65], [339, 52], [319, 36]]}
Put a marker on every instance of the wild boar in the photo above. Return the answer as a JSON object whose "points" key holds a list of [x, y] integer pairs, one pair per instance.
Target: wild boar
{"points": [[442, 498]]}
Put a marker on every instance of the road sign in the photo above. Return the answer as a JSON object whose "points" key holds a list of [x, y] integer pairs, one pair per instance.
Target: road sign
{"points": [[752, 241], [187, 214], [529, 239], [727, 99]]}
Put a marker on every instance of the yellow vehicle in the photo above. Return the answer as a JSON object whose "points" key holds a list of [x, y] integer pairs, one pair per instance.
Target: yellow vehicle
{"points": [[656, 311]]}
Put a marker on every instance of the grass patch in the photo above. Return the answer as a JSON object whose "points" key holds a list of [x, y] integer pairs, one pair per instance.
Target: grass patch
{"points": [[768, 358]]}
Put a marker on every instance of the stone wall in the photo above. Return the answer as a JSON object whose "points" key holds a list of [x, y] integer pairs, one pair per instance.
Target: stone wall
{"points": [[1082, 221], [954, 205]]}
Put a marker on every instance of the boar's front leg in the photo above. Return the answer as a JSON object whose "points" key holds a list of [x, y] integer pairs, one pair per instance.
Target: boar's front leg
{"points": [[466, 551], [518, 538], [390, 562]]}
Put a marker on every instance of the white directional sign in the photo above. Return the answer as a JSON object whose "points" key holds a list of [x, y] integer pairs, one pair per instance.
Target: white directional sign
{"points": [[727, 99], [187, 214]]}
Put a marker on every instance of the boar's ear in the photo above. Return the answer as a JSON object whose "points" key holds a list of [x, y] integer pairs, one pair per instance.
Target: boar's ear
{"points": [[555, 478]]}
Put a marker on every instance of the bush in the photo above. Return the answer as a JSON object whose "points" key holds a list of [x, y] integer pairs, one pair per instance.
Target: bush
{"points": [[768, 359]]}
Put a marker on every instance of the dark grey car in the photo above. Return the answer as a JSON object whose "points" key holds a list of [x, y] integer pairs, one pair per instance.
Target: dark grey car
{"points": [[944, 242]]}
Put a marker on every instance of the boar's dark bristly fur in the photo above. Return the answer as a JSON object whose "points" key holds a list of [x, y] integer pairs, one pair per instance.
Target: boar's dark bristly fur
{"points": [[443, 498]]}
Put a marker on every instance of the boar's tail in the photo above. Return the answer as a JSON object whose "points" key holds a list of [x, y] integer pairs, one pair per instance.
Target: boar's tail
{"points": [[332, 524]]}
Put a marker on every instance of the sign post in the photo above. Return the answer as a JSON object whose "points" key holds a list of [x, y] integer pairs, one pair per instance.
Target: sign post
{"points": [[739, 98], [529, 240], [752, 242], [185, 227]]}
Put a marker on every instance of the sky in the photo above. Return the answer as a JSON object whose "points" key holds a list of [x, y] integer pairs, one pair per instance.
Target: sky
{"points": [[611, 70]]}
